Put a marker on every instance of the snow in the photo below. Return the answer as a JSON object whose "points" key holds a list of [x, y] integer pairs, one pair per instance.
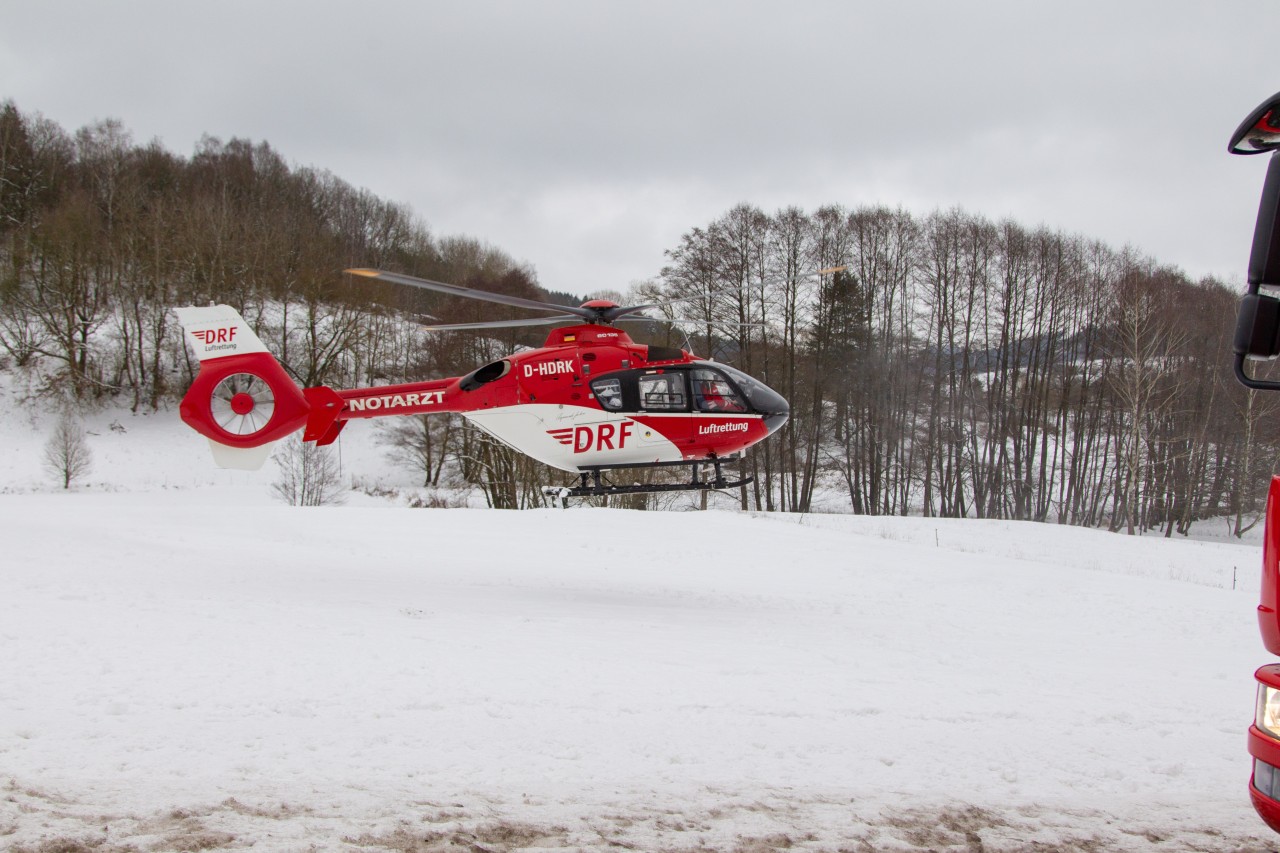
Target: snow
{"points": [[186, 664]]}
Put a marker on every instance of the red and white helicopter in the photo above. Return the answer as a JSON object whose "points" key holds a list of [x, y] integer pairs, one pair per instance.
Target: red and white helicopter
{"points": [[588, 401]]}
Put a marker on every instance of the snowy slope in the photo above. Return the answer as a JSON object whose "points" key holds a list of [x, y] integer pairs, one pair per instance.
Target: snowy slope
{"points": [[181, 674], [187, 664]]}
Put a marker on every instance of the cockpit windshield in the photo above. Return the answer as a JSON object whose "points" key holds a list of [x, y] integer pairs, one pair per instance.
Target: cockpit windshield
{"points": [[762, 398]]}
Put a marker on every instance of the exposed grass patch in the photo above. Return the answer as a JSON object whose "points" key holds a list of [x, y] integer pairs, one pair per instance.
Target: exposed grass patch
{"points": [[68, 844], [498, 837], [280, 812]]}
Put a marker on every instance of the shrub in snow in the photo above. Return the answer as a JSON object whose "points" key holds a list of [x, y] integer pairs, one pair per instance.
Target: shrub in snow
{"points": [[66, 453], [309, 475], [437, 499], [420, 443]]}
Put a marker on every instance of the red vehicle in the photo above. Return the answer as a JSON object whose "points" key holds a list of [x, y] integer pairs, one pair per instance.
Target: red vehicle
{"points": [[588, 401], [1258, 339], [1264, 734]]}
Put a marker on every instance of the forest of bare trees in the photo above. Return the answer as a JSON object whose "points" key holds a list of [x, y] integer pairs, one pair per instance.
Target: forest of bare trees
{"points": [[955, 367], [100, 238], [963, 367]]}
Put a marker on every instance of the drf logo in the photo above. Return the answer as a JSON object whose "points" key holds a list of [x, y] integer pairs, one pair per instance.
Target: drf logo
{"points": [[216, 336], [594, 436]]}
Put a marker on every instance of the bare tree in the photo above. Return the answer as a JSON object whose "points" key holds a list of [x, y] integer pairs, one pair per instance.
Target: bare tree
{"points": [[309, 474], [1146, 337], [420, 442], [19, 336], [66, 453]]}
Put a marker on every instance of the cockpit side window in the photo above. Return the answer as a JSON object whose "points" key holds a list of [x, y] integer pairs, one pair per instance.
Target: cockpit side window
{"points": [[662, 392], [713, 393], [609, 393], [484, 375]]}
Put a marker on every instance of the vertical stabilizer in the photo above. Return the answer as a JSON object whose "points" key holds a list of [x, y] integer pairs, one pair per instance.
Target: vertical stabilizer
{"points": [[217, 331]]}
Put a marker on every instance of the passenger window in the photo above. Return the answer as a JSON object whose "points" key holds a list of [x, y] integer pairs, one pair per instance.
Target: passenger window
{"points": [[609, 393], [713, 393], [662, 391]]}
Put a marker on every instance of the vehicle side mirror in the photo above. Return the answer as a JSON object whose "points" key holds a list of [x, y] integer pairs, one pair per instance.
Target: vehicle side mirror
{"points": [[1258, 321], [1264, 257], [1257, 325], [1260, 131]]}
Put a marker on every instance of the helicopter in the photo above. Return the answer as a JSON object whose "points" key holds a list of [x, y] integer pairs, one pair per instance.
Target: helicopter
{"points": [[589, 401]]}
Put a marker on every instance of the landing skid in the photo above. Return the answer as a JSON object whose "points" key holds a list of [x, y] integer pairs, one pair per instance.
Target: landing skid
{"points": [[592, 485]]}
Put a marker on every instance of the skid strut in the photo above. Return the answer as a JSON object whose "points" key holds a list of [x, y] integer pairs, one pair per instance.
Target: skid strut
{"points": [[591, 483]]}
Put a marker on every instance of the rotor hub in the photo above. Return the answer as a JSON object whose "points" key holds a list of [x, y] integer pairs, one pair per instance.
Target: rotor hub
{"points": [[242, 404]]}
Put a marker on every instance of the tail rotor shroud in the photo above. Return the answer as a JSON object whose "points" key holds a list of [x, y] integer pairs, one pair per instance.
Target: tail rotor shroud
{"points": [[241, 399], [242, 404]]}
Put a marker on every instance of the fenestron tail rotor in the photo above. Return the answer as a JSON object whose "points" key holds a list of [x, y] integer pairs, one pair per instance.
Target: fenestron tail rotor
{"points": [[242, 404]]}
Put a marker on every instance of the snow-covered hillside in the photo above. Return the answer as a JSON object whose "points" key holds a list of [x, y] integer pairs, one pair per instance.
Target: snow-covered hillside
{"points": [[185, 664]]}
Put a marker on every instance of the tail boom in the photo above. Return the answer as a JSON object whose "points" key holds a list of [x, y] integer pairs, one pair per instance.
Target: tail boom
{"points": [[242, 399], [330, 409]]}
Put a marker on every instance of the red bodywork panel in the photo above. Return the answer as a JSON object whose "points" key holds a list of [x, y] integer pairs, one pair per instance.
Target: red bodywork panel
{"points": [[1261, 745], [1269, 606], [1267, 809], [1264, 747], [698, 438]]}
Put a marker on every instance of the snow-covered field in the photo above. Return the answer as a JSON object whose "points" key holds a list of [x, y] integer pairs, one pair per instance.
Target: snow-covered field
{"points": [[185, 664]]}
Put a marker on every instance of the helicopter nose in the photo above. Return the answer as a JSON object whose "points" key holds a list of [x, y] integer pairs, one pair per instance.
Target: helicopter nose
{"points": [[774, 420]]}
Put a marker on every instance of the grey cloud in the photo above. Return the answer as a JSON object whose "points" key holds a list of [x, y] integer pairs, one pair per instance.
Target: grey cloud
{"points": [[493, 118]]}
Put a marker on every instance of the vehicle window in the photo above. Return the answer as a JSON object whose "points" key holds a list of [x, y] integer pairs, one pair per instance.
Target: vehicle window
{"points": [[713, 393], [608, 392], [484, 375], [659, 391], [761, 396]]}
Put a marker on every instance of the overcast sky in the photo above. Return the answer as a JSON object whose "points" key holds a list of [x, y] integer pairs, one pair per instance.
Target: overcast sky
{"points": [[585, 137]]}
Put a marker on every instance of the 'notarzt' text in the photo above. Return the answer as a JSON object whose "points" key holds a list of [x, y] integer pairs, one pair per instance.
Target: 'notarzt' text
{"points": [[395, 401]]}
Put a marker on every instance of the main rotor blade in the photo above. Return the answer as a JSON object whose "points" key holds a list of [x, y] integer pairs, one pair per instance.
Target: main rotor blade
{"points": [[780, 277], [611, 314], [505, 324], [680, 321], [468, 293], [729, 291]]}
